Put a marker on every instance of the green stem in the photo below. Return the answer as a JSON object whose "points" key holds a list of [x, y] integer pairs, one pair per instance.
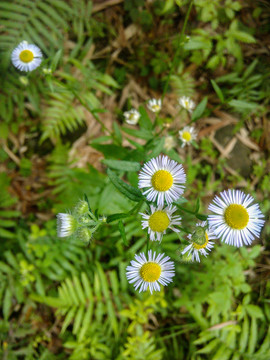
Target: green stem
{"points": [[198, 216], [173, 64], [147, 244], [182, 229]]}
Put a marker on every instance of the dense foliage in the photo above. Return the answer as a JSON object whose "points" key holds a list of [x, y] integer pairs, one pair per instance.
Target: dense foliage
{"points": [[64, 138]]}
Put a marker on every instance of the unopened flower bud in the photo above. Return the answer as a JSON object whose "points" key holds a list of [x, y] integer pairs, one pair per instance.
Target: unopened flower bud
{"points": [[24, 80], [184, 258], [81, 208], [84, 234], [198, 236]]}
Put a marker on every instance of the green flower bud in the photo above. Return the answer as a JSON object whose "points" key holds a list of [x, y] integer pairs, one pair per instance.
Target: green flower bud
{"points": [[198, 236], [86, 220], [184, 258], [81, 208], [84, 234], [24, 80]]}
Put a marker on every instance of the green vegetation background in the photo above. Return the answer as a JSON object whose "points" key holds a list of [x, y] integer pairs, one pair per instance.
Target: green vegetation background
{"points": [[61, 299]]}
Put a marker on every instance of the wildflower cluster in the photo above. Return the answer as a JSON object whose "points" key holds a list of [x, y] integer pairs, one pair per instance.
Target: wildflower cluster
{"points": [[235, 221], [187, 135]]}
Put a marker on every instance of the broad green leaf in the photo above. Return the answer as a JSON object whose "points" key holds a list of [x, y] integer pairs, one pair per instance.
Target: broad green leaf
{"points": [[217, 90], [117, 132], [115, 217], [243, 36], [144, 121], [122, 165], [254, 311], [127, 190], [198, 112], [141, 134]]}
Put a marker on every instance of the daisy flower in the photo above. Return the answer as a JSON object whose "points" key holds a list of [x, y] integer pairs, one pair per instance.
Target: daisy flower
{"points": [[150, 273], [187, 103], [187, 135], [164, 179], [200, 242], [159, 221], [154, 105], [132, 116], [235, 221], [66, 225], [26, 57]]}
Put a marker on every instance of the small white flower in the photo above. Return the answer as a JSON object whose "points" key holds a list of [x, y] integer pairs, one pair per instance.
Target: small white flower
{"points": [[159, 221], [150, 273], [154, 105], [187, 135], [200, 242], [236, 221], [132, 116], [187, 103], [26, 57], [169, 142], [66, 225], [164, 179]]}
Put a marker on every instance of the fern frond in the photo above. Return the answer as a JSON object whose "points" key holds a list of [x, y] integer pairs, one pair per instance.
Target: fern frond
{"points": [[61, 114], [7, 216], [40, 22], [235, 342], [79, 299], [183, 84]]}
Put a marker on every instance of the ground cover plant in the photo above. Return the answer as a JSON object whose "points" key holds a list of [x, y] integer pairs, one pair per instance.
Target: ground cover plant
{"points": [[134, 212]]}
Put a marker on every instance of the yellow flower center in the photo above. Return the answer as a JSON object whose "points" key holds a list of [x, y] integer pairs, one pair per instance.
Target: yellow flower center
{"points": [[198, 247], [162, 180], [159, 221], [156, 107], [150, 272], [187, 104], [186, 135], [26, 56], [236, 216]]}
